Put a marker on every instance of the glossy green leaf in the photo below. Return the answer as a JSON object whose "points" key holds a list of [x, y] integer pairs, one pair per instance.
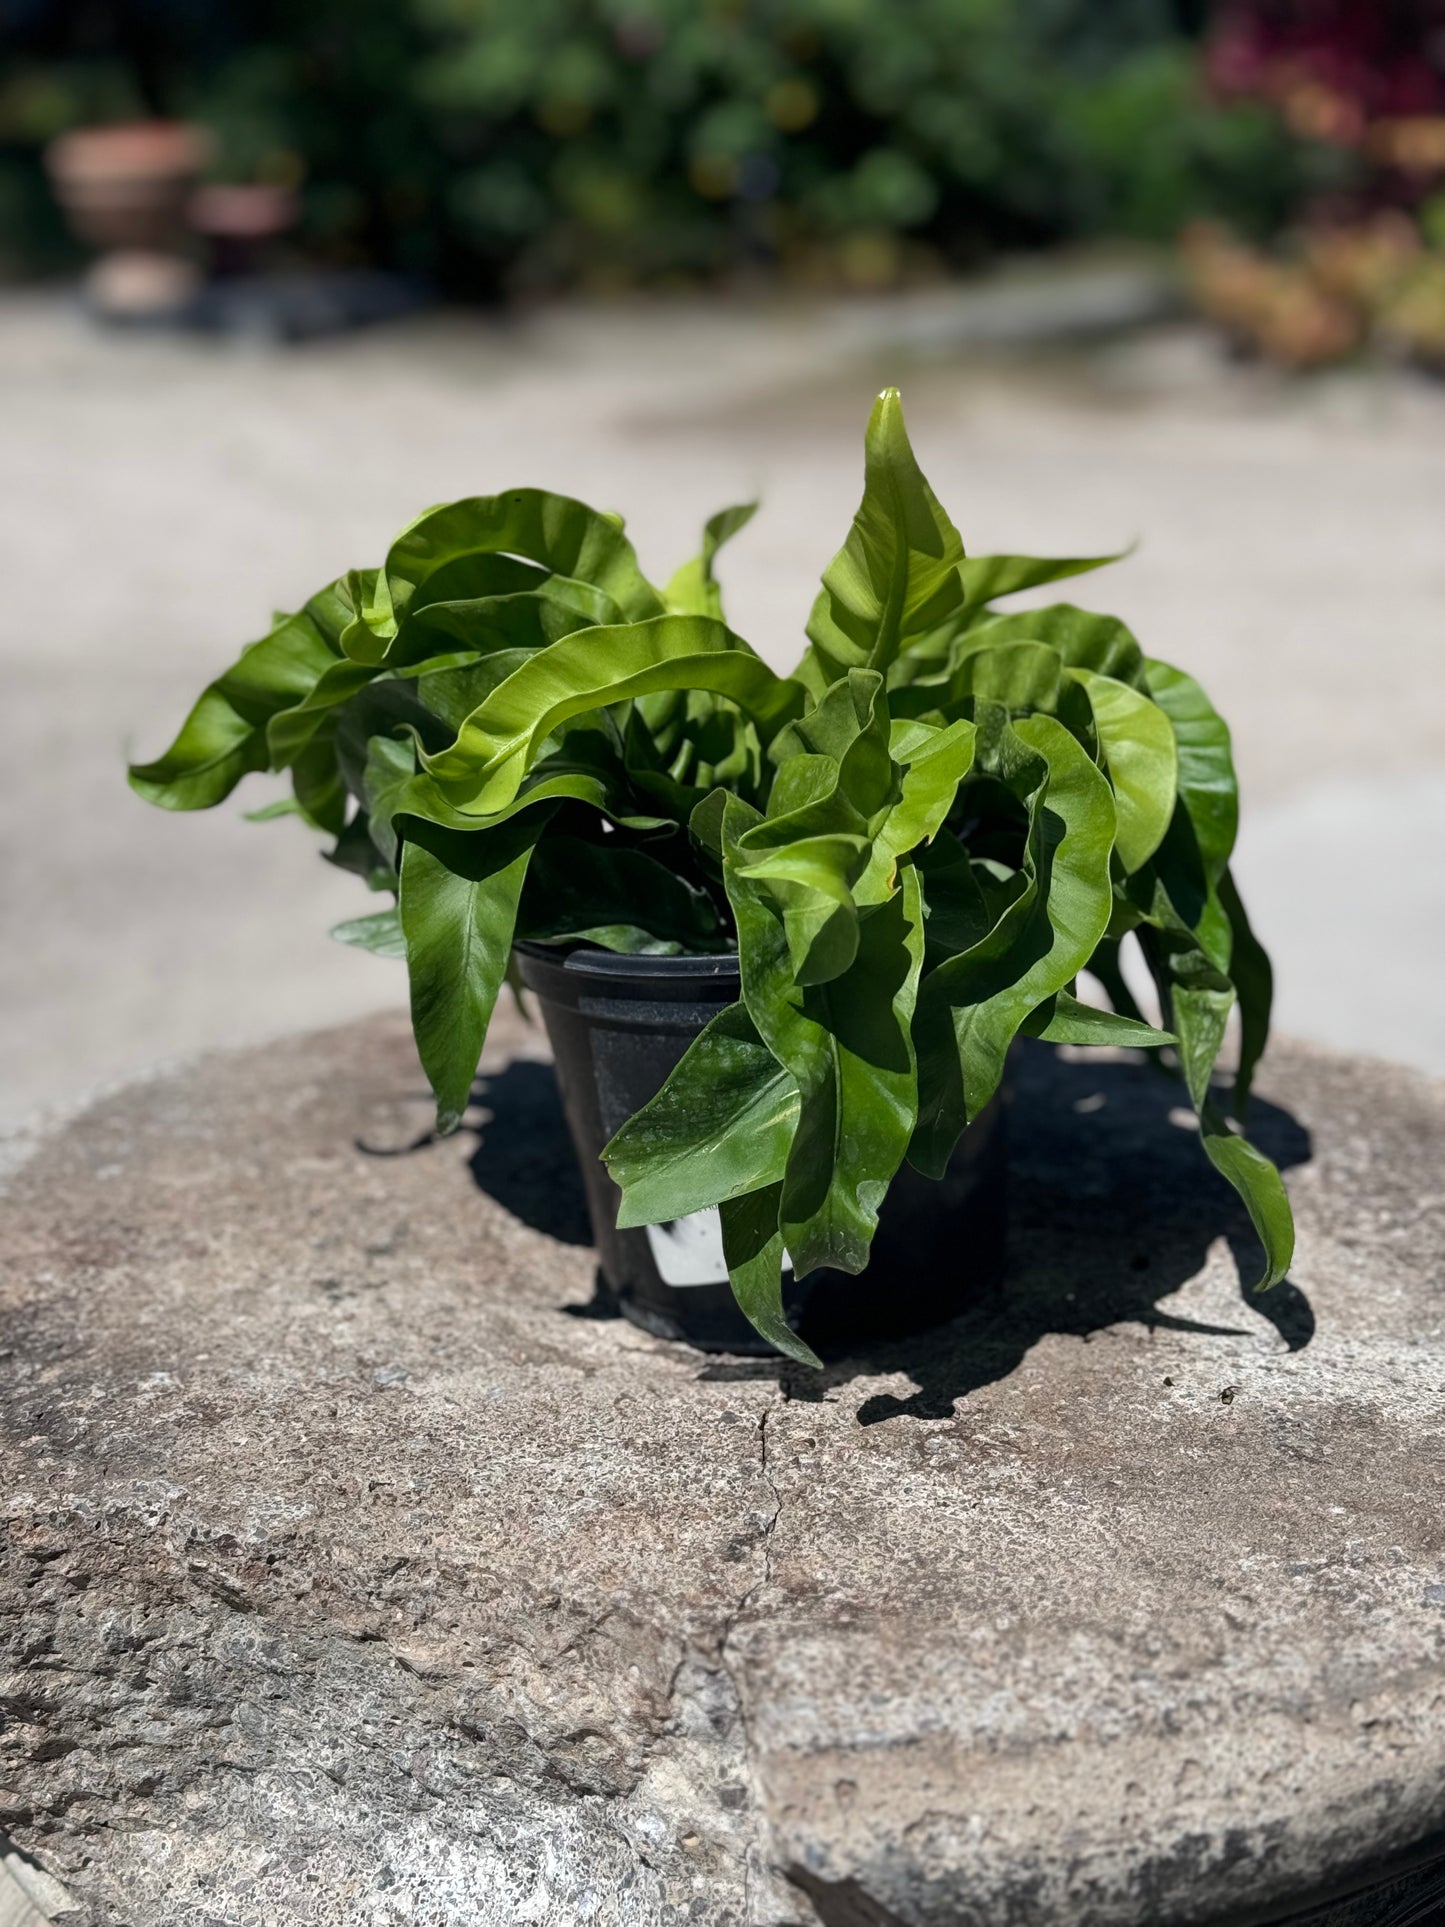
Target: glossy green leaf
{"points": [[501, 739], [971, 1007], [470, 576], [1022, 676], [956, 913], [828, 804], [720, 1126], [290, 731], [583, 767], [319, 786], [381, 933], [385, 707], [1207, 783], [1082, 639], [933, 763], [1062, 1019], [355, 851], [458, 902], [390, 768], [678, 744], [753, 1250], [1174, 893], [693, 590], [1200, 1000], [224, 737], [705, 824], [452, 690], [1259, 1184], [1104, 965], [273, 812], [627, 939], [1137, 743], [577, 889], [1253, 979], [494, 633], [987, 577], [529, 618], [896, 578], [848, 1047], [432, 554]]}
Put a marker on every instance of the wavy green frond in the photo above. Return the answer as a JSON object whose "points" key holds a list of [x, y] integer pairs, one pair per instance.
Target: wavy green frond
{"points": [[720, 1126], [972, 1006], [693, 590], [500, 740], [224, 737], [896, 578]]}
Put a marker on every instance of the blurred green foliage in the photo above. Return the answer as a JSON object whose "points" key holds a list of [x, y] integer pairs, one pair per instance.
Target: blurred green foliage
{"points": [[509, 145]]}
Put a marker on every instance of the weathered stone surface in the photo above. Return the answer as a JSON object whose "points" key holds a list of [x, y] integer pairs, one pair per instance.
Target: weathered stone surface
{"points": [[355, 1573]]}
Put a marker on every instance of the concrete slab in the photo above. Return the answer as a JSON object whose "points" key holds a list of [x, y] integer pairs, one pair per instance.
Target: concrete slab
{"points": [[354, 1571]]}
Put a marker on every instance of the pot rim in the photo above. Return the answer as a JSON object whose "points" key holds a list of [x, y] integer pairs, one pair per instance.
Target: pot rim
{"points": [[582, 960]]}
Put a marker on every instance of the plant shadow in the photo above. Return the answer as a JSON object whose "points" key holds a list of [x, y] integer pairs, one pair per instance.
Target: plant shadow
{"points": [[1112, 1209], [524, 1157]]}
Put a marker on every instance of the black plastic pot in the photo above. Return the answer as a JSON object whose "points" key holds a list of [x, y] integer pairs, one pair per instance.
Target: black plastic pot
{"points": [[618, 1025]]}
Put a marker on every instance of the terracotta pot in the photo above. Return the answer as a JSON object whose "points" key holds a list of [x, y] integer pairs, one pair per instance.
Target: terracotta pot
{"points": [[126, 186]]}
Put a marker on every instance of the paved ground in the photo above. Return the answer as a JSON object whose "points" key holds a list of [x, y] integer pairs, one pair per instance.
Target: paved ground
{"points": [[158, 498], [349, 1582]]}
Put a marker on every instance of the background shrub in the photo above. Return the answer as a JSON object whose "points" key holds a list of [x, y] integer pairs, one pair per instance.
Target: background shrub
{"points": [[504, 145]]}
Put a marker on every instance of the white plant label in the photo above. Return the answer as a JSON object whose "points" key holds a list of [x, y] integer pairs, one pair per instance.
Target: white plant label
{"points": [[689, 1251]]}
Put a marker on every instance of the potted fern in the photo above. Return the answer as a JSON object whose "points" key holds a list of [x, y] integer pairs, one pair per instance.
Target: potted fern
{"points": [[784, 929]]}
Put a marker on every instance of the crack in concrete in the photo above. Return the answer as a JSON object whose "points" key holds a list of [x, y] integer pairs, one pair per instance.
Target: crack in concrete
{"points": [[772, 1485], [764, 1537], [753, 1851], [718, 1660]]}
